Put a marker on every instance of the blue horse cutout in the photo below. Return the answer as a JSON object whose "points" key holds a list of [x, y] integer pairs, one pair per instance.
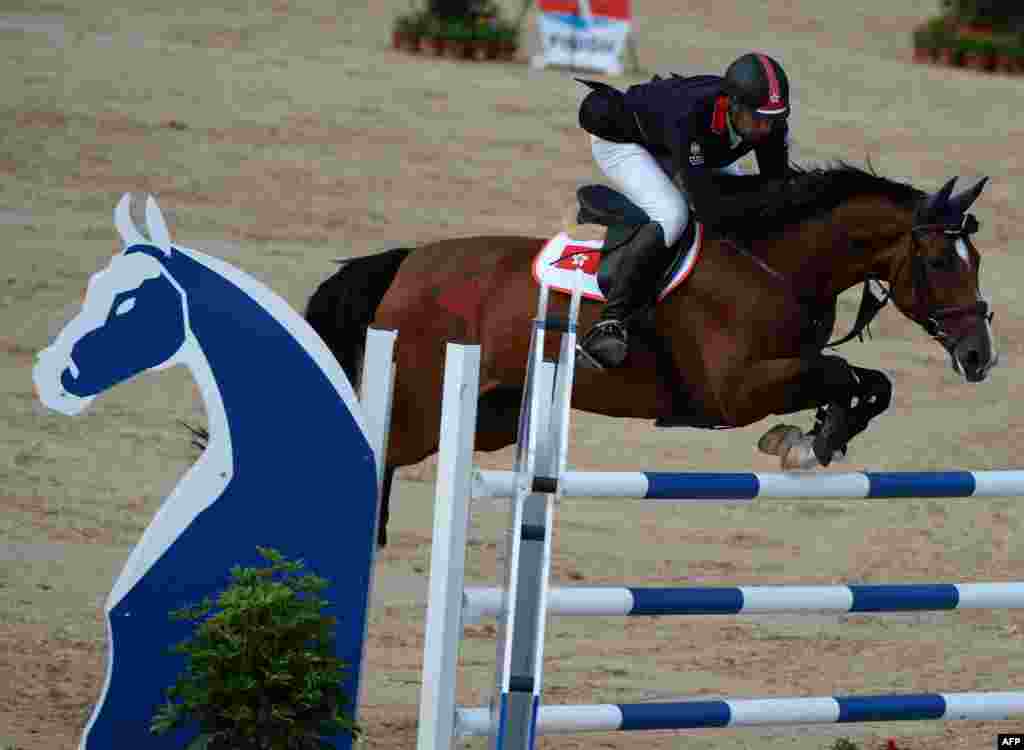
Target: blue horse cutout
{"points": [[284, 427]]}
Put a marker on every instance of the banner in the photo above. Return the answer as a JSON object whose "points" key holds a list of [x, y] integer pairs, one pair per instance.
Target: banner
{"points": [[584, 34]]}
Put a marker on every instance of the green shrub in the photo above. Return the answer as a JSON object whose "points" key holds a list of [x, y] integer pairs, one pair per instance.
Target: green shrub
{"points": [[458, 31], [976, 46], [998, 14], [507, 33], [261, 673], [927, 38]]}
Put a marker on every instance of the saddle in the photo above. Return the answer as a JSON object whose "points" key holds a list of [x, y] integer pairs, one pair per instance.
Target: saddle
{"points": [[599, 204]]}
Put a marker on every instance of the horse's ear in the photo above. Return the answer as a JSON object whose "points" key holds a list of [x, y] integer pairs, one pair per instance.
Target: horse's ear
{"points": [[962, 201], [937, 205], [125, 226], [157, 227]]}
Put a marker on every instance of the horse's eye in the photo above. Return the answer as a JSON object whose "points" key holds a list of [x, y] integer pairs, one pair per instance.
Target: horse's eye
{"points": [[125, 306]]}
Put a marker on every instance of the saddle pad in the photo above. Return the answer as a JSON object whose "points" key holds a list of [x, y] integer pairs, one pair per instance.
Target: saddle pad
{"points": [[556, 264]]}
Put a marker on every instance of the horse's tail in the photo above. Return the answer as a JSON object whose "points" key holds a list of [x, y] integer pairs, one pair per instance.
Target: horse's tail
{"points": [[343, 306]]}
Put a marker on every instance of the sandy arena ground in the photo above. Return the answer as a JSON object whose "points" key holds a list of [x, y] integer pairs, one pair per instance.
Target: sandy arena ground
{"points": [[282, 135]]}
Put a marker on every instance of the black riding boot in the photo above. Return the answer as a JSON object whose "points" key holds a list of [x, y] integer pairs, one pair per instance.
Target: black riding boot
{"points": [[641, 264]]}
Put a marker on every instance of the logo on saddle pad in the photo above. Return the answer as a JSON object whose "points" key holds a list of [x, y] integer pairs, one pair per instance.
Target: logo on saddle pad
{"points": [[556, 264]]}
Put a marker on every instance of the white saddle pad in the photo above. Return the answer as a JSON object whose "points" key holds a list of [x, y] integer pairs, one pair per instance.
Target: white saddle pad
{"points": [[556, 264]]}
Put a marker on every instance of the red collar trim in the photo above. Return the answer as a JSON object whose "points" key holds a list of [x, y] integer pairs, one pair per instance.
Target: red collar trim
{"points": [[718, 117]]}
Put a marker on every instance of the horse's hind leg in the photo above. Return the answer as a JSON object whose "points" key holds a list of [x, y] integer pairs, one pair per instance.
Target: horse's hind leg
{"points": [[497, 417], [385, 505], [497, 422]]}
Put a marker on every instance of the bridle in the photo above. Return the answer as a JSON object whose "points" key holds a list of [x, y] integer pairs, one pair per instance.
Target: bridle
{"points": [[933, 318]]}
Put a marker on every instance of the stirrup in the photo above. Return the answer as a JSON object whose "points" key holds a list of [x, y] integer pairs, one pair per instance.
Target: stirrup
{"points": [[585, 360], [610, 328], [608, 323]]}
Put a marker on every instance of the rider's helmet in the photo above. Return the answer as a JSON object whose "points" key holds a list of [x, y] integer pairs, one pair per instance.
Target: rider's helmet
{"points": [[758, 83]]}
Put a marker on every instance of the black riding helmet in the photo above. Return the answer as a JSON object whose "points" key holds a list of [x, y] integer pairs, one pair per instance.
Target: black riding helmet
{"points": [[759, 83]]}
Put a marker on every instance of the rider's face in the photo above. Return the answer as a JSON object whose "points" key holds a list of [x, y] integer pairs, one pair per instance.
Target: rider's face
{"points": [[749, 126]]}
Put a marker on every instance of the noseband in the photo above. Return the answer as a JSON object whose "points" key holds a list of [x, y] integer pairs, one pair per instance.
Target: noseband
{"points": [[934, 318]]}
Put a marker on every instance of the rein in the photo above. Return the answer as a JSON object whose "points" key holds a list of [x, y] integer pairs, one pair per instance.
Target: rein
{"points": [[871, 304]]}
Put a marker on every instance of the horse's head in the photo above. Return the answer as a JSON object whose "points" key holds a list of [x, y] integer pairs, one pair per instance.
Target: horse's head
{"points": [[935, 282], [134, 318]]}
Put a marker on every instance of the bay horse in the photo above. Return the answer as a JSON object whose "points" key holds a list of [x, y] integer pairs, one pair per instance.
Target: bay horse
{"points": [[742, 339]]}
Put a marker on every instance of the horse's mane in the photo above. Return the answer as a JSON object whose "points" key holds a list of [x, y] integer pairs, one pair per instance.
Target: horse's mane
{"points": [[772, 204]]}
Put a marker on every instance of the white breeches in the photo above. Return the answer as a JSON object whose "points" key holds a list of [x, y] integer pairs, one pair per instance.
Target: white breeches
{"points": [[637, 175]]}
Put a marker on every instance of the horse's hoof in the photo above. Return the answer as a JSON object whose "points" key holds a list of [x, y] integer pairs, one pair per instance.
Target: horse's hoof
{"points": [[778, 439], [800, 455]]}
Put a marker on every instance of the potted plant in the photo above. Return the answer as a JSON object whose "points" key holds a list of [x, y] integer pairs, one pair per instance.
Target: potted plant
{"points": [[950, 52], [405, 34], [456, 38], [1004, 53], [979, 54], [1016, 58], [508, 40], [483, 40], [433, 41], [925, 44], [261, 673]]}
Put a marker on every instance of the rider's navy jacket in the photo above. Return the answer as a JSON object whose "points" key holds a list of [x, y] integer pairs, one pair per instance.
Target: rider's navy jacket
{"points": [[685, 118], [682, 122]]}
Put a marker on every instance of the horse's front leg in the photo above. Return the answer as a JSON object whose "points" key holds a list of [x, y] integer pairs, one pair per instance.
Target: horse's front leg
{"points": [[785, 386], [874, 394], [839, 422]]}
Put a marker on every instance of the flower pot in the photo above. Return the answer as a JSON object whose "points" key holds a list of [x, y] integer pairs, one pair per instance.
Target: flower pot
{"points": [[979, 61], [432, 45], [923, 55], [457, 49], [492, 49], [478, 49], [412, 43], [1005, 64], [405, 41], [976, 31], [950, 56], [508, 50]]}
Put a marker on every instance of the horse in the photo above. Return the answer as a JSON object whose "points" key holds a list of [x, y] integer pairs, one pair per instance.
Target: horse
{"points": [[156, 305], [744, 338]]}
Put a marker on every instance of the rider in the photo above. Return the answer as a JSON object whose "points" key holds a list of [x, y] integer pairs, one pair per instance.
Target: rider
{"points": [[687, 127]]}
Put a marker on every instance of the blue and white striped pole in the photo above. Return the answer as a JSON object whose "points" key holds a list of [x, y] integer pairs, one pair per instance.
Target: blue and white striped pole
{"points": [[707, 714], [659, 485], [480, 602]]}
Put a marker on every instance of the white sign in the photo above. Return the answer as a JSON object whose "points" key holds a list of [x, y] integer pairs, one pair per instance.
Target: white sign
{"points": [[589, 34]]}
